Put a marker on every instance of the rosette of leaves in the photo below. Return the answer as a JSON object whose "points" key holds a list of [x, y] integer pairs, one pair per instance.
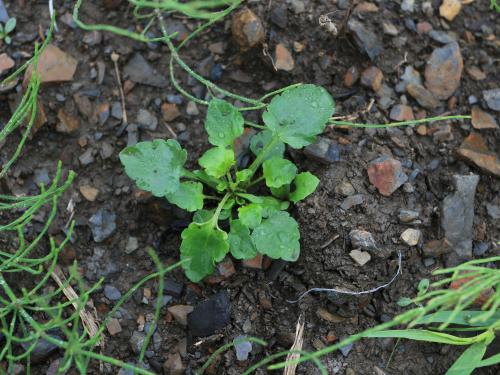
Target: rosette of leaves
{"points": [[221, 195]]}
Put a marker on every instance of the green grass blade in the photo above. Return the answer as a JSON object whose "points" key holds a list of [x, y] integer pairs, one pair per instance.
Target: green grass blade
{"points": [[469, 359], [422, 335]]}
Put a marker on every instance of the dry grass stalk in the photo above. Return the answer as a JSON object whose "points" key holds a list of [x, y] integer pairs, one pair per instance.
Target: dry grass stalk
{"points": [[297, 346]]}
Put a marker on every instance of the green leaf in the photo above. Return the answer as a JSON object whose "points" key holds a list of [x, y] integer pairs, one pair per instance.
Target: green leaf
{"points": [[421, 335], [251, 198], [10, 25], [404, 301], [203, 244], [189, 196], [278, 172], [270, 205], [224, 123], [463, 318], [202, 216], [8, 40], [281, 192], [243, 175], [205, 178], [217, 161], [261, 139], [422, 287], [469, 359], [250, 215], [240, 242], [1, 30], [305, 184], [299, 114], [490, 361], [278, 237], [155, 166]]}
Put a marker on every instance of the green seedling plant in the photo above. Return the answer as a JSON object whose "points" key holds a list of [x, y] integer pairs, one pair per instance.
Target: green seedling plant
{"points": [[257, 222], [6, 29]]}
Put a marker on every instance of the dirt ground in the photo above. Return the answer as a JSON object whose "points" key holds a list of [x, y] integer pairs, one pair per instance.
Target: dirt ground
{"points": [[258, 297]]}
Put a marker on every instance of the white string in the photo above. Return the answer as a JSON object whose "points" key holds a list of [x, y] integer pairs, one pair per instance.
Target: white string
{"points": [[51, 11], [339, 291]]}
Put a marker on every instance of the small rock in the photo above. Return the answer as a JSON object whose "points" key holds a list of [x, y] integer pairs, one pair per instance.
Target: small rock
{"points": [[242, 348], [345, 188], [210, 315], [366, 7], [111, 293], [180, 313], [113, 326], [360, 257], [173, 365], [386, 174], [475, 73], [86, 158], [492, 98], [136, 341], [247, 29], [192, 109], [172, 287], [481, 248], [6, 63], [443, 37], [411, 237], [423, 96], [372, 78], [364, 240], [89, 192], [255, 263], [147, 120], [444, 70], [323, 150], [493, 210], [482, 119], [351, 201], [351, 76], [297, 6], [422, 130], [54, 65], [226, 268], [138, 70], [411, 75], [279, 16], [42, 348], [106, 150], [474, 149], [407, 216], [102, 224], [132, 245], [443, 134], [116, 110], [345, 350], [424, 27], [458, 215], [92, 38], [401, 112], [437, 248], [102, 113], [365, 38], [408, 6], [67, 123], [449, 9], [389, 28], [283, 58], [41, 177], [4, 15], [169, 111]]}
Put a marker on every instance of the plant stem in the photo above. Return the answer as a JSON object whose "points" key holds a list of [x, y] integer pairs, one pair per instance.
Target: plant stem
{"points": [[256, 181], [262, 155]]}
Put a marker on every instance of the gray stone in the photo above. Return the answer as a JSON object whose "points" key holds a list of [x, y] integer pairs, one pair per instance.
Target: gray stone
{"points": [[492, 98], [407, 216], [324, 150], [210, 315], [192, 109], [410, 75], [353, 200], [42, 348], [147, 120], [493, 210], [366, 39], [408, 6], [86, 158], [361, 239], [41, 176], [297, 6], [345, 188], [172, 287], [4, 16], [106, 150], [116, 110], [102, 224], [111, 293], [458, 215], [132, 134], [136, 341], [132, 245], [442, 36], [481, 248], [346, 349], [360, 257], [242, 348], [138, 70]]}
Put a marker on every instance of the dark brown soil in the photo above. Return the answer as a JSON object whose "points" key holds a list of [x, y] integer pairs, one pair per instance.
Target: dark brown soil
{"points": [[259, 304]]}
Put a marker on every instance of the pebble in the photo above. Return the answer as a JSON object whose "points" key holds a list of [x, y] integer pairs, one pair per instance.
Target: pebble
{"points": [[6, 63], [346, 349], [113, 326], [169, 111], [86, 158], [136, 341], [4, 15], [180, 313], [481, 248], [210, 315], [442, 36], [458, 215], [386, 174], [493, 210], [279, 16], [475, 150], [436, 248], [112, 293], [172, 287], [147, 120], [323, 150], [138, 70], [67, 123], [283, 59], [351, 201], [411, 237], [247, 29], [482, 119], [42, 349], [407, 216], [351, 76], [444, 70], [449, 9], [106, 150], [132, 245], [255, 262], [389, 28], [192, 109], [366, 39], [173, 365], [297, 6], [345, 188], [475, 73], [372, 78], [423, 96], [102, 224], [401, 112], [424, 27], [364, 240], [89, 192], [92, 38], [408, 6], [410, 75], [54, 65], [443, 134], [41, 176], [360, 257], [492, 98], [242, 348]]}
